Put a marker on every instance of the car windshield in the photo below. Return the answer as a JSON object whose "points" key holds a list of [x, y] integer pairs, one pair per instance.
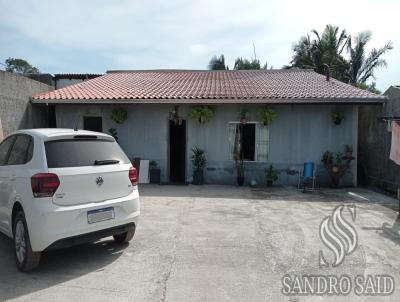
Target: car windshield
{"points": [[83, 152]]}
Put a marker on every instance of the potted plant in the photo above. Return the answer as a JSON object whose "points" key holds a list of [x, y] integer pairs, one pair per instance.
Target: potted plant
{"points": [[266, 116], [337, 117], [327, 158], [239, 172], [338, 162], [271, 174], [198, 162], [201, 114], [243, 115], [119, 115], [349, 150], [155, 172]]}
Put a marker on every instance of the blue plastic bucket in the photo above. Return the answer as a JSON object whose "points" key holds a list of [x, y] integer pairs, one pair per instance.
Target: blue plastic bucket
{"points": [[308, 169]]}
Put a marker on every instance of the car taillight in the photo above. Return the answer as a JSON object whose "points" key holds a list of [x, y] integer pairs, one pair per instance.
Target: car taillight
{"points": [[44, 184], [133, 176]]}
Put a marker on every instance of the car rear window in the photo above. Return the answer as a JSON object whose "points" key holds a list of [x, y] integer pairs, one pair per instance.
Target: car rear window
{"points": [[82, 152]]}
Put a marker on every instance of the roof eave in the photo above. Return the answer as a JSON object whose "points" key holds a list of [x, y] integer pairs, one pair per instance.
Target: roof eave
{"points": [[378, 100]]}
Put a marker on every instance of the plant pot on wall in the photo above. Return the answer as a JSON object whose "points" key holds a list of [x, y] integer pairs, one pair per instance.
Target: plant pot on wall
{"points": [[155, 173], [337, 117], [198, 177], [155, 176], [199, 162]]}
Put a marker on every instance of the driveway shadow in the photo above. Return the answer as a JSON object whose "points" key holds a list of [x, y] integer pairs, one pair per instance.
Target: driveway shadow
{"points": [[55, 267]]}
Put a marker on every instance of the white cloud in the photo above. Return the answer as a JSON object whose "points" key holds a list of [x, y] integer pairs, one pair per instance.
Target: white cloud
{"points": [[122, 34]]}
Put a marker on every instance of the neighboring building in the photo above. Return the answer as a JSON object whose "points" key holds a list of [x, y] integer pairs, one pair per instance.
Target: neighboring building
{"points": [[302, 131], [62, 80], [375, 167], [16, 111]]}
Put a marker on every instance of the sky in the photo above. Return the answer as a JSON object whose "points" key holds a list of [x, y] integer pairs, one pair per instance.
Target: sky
{"points": [[93, 36]]}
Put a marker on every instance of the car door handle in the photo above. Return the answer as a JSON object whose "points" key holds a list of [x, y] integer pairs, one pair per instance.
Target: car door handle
{"points": [[13, 177]]}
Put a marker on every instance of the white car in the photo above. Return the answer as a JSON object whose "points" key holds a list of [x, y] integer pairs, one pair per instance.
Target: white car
{"points": [[62, 187]]}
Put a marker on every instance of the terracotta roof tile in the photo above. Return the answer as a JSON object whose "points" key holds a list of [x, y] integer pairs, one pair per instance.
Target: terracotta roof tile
{"points": [[215, 86]]}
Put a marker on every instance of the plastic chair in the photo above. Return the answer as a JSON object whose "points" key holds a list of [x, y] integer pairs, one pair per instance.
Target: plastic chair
{"points": [[307, 177]]}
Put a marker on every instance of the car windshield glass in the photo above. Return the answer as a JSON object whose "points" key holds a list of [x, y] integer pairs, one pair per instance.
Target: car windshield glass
{"points": [[80, 152]]}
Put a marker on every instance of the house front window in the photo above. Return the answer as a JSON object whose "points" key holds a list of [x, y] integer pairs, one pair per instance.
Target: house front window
{"points": [[253, 138], [93, 123]]}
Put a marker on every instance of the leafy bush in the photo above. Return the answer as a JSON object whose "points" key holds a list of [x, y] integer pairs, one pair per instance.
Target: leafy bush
{"points": [[201, 114], [271, 173], [337, 117], [198, 159], [153, 165], [119, 115], [266, 116]]}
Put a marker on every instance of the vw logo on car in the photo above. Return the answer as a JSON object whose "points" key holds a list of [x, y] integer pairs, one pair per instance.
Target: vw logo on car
{"points": [[99, 181]]}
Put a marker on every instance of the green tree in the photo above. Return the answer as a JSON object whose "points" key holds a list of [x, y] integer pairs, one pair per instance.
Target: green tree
{"points": [[322, 50], [19, 66], [370, 87], [217, 63], [362, 65], [245, 64], [345, 56]]}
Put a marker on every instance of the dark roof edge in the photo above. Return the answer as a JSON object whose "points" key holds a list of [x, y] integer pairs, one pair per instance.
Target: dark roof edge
{"points": [[76, 76]]}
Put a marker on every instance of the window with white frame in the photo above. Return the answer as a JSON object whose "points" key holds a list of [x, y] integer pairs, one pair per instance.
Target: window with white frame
{"points": [[252, 137]]}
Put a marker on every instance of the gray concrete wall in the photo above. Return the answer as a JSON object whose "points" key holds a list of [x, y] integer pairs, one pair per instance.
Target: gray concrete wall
{"points": [[16, 112], [300, 133], [375, 167]]}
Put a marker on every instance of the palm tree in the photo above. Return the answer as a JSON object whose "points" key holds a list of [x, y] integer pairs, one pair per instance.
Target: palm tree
{"points": [[245, 64], [330, 48], [325, 49], [217, 63], [362, 66]]}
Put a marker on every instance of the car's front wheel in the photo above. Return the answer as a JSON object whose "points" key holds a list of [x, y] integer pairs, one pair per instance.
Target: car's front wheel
{"points": [[25, 258], [125, 237]]}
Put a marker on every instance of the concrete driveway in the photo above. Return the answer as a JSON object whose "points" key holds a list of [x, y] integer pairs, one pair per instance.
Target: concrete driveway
{"points": [[216, 243]]}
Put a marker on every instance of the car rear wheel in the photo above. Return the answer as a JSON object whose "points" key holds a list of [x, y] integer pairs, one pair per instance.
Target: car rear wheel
{"points": [[25, 258], [125, 237]]}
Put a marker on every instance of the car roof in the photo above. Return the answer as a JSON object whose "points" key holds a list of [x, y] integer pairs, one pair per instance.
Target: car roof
{"points": [[52, 133]]}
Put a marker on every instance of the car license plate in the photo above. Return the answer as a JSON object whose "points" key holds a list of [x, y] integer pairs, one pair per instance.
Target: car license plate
{"points": [[100, 215]]}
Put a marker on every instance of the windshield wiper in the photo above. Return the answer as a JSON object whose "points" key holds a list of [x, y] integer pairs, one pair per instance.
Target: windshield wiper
{"points": [[106, 162]]}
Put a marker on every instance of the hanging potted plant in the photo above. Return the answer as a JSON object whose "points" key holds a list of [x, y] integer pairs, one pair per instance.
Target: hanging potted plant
{"points": [[119, 115], [271, 175], [198, 162], [243, 115], [266, 116], [174, 116], [201, 114], [349, 150], [337, 117], [155, 173]]}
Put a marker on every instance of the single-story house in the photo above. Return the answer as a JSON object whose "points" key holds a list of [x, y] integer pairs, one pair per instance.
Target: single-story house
{"points": [[303, 130]]}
